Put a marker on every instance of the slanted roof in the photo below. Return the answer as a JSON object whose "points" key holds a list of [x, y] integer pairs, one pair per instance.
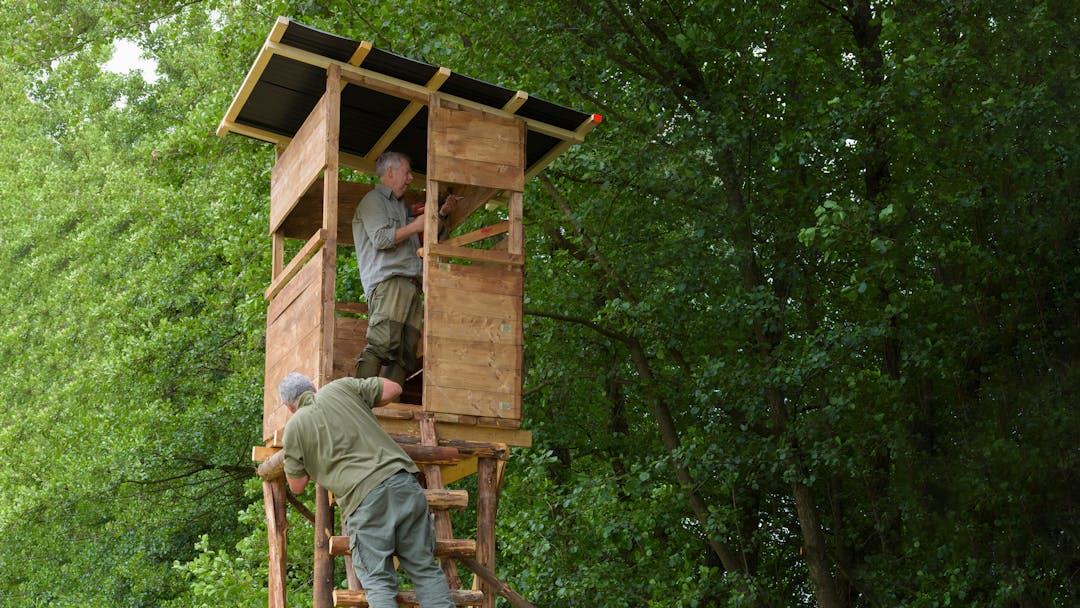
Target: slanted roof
{"points": [[383, 104]]}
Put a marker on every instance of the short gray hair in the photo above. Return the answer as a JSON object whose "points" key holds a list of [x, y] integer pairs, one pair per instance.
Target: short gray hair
{"points": [[388, 159], [292, 386]]}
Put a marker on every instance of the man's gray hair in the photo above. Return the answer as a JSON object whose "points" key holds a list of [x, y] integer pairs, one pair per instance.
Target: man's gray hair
{"points": [[388, 159], [292, 386]]}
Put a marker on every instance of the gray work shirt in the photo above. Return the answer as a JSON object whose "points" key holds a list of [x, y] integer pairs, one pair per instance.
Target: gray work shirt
{"points": [[377, 217]]}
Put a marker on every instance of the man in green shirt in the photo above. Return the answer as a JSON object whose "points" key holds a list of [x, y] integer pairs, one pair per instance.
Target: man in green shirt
{"points": [[334, 438]]}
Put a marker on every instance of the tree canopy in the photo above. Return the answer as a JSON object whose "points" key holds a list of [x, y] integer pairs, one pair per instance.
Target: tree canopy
{"points": [[802, 313]]}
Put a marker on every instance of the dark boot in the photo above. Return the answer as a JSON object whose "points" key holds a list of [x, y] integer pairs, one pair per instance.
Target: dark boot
{"points": [[368, 366]]}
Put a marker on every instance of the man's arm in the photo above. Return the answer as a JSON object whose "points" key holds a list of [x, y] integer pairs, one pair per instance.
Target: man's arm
{"points": [[390, 391], [416, 226], [297, 484]]}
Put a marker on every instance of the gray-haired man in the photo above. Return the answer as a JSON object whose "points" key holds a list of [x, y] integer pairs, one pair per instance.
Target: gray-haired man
{"points": [[334, 438]]}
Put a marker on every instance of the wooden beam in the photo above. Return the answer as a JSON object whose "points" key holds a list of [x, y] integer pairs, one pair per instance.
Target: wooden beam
{"points": [[260, 453], [306, 252], [277, 527], [428, 454], [361, 53], [497, 585], [515, 102], [406, 116], [582, 130], [487, 502], [476, 255], [478, 235], [323, 575], [449, 549]]}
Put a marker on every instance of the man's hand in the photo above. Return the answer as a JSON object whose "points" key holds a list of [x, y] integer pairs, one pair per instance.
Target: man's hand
{"points": [[297, 484]]}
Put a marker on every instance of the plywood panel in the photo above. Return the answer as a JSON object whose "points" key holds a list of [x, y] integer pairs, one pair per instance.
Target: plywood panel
{"points": [[476, 148], [473, 340], [298, 167], [293, 338]]}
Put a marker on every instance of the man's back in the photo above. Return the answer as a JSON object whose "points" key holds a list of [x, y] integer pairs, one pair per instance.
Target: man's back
{"points": [[335, 439]]}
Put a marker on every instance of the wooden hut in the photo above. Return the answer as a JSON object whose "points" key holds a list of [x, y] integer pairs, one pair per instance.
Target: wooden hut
{"points": [[330, 104]]}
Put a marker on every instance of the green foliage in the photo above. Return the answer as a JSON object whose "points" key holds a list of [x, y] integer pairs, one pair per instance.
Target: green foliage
{"points": [[835, 248]]}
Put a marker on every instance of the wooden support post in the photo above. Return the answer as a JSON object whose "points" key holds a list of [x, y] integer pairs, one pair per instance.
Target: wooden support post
{"points": [[329, 223], [323, 582], [487, 502], [276, 533], [443, 528]]}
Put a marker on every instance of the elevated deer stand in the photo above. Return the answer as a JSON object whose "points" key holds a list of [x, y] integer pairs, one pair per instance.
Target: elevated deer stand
{"points": [[326, 103]]}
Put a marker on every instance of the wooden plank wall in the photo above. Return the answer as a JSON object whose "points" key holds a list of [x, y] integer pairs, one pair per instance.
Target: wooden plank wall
{"points": [[467, 147], [299, 165], [293, 329], [473, 321]]}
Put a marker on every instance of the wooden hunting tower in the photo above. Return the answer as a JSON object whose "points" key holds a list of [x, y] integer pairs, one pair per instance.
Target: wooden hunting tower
{"points": [[329, 103]]}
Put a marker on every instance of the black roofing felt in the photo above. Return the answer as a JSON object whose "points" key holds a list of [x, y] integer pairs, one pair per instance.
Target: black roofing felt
{"points": [[287, 90]]}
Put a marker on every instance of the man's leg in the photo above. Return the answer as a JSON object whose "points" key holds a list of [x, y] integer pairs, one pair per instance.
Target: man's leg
{"points": [[415, 539], [371, 540], [395, 314]]}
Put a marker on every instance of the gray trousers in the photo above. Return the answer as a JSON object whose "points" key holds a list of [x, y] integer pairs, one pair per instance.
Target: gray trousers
{"points": [[394, 520]]}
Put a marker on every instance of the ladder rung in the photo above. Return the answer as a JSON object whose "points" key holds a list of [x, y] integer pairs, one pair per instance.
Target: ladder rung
{"points": [[453, 548], [460, 597], [439, 499]]}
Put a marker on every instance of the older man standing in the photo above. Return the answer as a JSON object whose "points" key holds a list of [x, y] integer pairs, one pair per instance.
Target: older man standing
{"points": [[387, 238], [334, 438]]}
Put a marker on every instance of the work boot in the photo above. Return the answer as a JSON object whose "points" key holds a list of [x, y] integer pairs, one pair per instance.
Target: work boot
{"points": [[368, 366]]}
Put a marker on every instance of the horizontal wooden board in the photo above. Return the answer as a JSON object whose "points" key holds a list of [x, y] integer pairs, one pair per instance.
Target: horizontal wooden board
{"points": [[299, 165], [503, 281], [472, 374], [490, 330], [476, 148], [472, 402], [449, 432], [472, 303]]}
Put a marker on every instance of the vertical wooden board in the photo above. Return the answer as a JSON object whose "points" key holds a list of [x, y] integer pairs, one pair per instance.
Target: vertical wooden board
{"points": [[298, 167], [293, 336]]}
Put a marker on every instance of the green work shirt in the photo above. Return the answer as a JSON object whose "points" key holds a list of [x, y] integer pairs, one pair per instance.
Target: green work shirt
{"points": [[335, 439]]}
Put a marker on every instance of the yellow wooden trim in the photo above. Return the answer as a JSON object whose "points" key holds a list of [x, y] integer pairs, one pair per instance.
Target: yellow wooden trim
{"points": [[406, 116], [516, 102], [252, 77], [306, 252], [361, 53]]}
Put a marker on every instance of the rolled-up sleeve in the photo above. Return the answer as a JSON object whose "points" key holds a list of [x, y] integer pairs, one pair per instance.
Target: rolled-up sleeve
{"points": [[294, 455]]}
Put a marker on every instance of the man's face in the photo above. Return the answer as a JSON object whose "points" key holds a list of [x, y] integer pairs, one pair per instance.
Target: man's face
{"points": [[398, 177]]}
